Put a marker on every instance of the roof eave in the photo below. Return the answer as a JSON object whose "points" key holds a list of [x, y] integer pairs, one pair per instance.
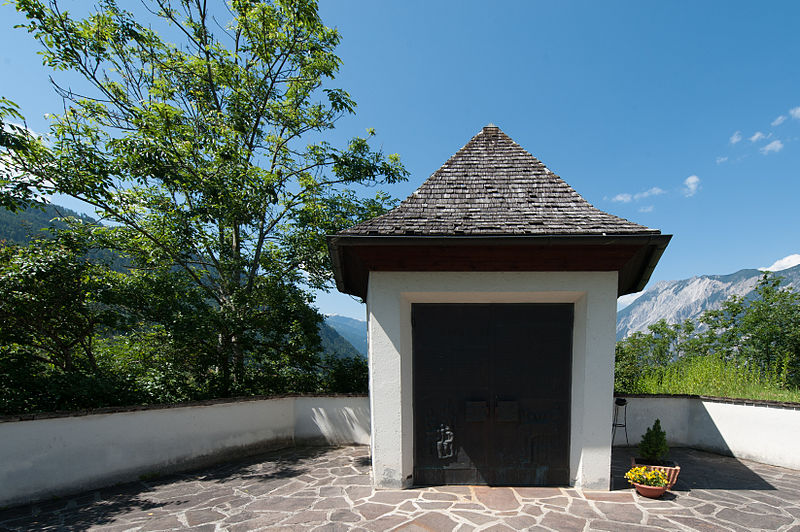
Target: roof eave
{"points": [[632, 277], [438, 240]]}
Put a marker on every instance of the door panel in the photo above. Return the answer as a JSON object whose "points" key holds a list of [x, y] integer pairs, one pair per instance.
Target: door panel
{"points": [[491, 393]]}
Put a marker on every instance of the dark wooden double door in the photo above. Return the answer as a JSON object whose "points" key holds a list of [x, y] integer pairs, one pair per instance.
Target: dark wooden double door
{"points": [[492, 393]]}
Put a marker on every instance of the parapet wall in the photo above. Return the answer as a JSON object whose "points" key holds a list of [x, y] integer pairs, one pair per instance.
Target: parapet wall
{"points": [[762, 431], [41, 458], [49, 455]]}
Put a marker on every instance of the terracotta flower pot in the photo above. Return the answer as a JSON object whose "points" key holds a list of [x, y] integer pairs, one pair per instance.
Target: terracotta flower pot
{"points": [[652, 492], [671, 471]]}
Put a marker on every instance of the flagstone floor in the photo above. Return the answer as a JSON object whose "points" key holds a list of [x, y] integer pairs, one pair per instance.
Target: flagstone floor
{"points": [[328, 489]]}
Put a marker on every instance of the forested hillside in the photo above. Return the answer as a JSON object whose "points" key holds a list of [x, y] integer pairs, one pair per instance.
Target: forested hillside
{"points": [[40, 219], [20, 227], [353, 330], [36, 221]]}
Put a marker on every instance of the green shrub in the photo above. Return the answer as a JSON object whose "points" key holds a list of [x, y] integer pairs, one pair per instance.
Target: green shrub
{"points": [[653, 447]]}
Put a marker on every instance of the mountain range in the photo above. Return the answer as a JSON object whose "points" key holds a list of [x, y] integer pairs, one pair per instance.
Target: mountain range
{"points": [[353, 330], [676, 301]]}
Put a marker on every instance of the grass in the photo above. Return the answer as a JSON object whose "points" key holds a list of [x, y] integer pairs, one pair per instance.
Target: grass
{"points": [[710, 375]]}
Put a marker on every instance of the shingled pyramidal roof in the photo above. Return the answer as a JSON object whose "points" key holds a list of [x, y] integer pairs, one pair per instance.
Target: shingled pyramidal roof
{"points": [[495, 207], [492, 186]]}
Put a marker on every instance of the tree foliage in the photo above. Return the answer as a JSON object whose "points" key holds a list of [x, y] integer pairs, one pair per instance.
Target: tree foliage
{"points": [[55, 305], [207, 161], [346, 374], [52, 301]]}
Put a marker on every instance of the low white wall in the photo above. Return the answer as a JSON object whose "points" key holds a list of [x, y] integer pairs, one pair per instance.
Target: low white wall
{"points": [[46, 457], [753, 431], [643, 411]]}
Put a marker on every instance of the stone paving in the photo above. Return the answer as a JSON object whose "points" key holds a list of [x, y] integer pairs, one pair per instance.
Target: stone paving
{"points": [[326, 489]]}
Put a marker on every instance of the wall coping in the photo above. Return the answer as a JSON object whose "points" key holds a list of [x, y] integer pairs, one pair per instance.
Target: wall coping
{"points": [[165, 406], [227, 400], [713, 399]]}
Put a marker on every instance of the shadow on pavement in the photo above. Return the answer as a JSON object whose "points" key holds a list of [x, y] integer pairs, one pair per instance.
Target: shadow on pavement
{"points": [[699, 470], [172, 492]]}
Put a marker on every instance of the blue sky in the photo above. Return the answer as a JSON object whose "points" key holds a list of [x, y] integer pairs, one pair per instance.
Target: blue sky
{"points": [[676, 115]]}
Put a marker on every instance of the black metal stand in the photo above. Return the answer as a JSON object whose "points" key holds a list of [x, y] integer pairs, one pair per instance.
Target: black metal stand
{"points": [[620, 403]]}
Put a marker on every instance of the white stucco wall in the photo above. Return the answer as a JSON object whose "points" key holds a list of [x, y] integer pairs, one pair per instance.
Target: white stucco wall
{"points": [[642, 412], [389, 299], [331, 420], [47, 457], [751, 431]]}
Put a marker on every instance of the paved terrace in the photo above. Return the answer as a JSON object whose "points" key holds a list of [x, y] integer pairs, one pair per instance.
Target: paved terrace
{"points": [[326, 489]]}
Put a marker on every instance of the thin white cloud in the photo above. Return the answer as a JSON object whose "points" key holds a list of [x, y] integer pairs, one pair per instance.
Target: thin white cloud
{"points": [[648, 208], [11, 172], [655, 191], [627, 198], [778, 121], [795, 113], [721, 160], [7, 168], [757, 136], [622, 198], [736, 137], [782, 264], [774, 146], [692, 184]]}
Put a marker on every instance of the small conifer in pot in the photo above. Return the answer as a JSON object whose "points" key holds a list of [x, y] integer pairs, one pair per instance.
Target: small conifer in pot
{"points": [[653, 448]]}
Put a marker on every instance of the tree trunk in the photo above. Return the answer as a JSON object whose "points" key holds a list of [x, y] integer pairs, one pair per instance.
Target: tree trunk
{"points": [[238, 360], [225, 364]]}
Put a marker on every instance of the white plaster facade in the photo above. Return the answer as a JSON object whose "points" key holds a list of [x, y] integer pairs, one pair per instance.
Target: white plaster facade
{"points": [[389, 299]]}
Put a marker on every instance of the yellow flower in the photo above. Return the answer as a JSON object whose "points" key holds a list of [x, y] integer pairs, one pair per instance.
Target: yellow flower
{"points": [[648, 477]]}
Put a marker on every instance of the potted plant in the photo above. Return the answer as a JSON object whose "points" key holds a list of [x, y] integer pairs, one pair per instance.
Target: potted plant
{"points": [[650, 483], [653, 450]]}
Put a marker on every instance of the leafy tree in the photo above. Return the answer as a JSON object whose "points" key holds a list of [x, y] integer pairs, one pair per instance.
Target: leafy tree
{"points": [[628, 363], [155, 366], [652, 351], [52, 301], [207, 157], [763, 332], [54, 304]]}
